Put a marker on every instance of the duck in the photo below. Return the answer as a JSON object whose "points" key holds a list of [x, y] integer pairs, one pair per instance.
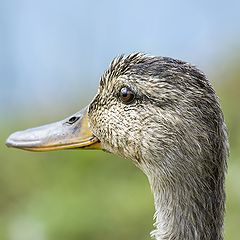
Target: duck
{"points": [[163, 115]]}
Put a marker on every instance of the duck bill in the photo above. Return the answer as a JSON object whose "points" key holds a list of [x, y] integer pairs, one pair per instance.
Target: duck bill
{"points": [[71, 133]]}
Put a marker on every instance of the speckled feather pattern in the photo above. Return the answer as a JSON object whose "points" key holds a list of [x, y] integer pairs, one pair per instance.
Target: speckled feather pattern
{"points": [[175, 133]]}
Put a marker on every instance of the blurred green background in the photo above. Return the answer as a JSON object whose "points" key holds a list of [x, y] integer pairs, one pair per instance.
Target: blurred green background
{"points": [[52, 55]]}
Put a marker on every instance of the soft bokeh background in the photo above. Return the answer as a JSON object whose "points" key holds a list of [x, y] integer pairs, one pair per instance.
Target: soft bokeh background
{"points": [[52, 54]]}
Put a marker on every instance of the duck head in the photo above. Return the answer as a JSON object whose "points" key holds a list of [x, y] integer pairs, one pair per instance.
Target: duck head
{"points": [[164, 115], [148, 109]]}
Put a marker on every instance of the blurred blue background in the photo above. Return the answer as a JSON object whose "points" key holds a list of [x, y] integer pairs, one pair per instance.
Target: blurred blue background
{"points": [[52, 54]]}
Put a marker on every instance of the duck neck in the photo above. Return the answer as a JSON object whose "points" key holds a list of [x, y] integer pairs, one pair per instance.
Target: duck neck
{"points": [[188, 209]]}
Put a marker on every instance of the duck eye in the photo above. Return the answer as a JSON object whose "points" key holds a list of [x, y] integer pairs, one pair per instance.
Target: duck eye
{"points": [[126, 95], [72, 120]]}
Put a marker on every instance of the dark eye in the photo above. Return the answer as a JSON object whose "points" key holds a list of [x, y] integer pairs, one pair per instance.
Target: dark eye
{"points": [[126, 95], [72, 120]]}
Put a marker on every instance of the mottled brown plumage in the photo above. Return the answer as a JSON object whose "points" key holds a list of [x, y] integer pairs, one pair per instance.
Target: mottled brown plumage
{"points": [[174, 131]]}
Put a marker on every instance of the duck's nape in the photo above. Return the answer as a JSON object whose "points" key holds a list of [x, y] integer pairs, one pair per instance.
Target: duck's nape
{"points": [[165, 116]]}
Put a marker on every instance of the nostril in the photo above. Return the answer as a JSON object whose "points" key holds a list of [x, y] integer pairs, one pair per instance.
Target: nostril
{"points": [[72, 120]]}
